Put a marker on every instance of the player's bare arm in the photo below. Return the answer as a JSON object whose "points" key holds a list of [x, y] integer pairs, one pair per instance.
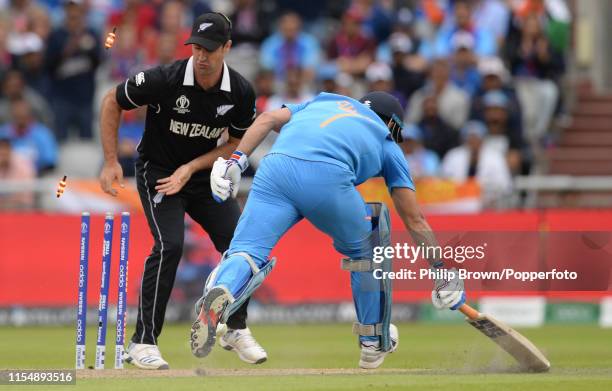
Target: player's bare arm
{"points": [[448, 292], [407, 207], [266, 122], [225, 175], [110, 115]]}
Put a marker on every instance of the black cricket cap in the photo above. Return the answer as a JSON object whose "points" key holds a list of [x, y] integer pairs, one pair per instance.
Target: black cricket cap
{"points": [[210, 30], [388, 108]]}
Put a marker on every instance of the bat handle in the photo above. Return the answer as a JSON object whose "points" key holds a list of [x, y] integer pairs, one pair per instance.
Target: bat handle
{"points": [[469, 311]]}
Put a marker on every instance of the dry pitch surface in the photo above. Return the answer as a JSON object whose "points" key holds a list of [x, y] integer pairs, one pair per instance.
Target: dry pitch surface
{"points": [[324, 357], [244, 372]]}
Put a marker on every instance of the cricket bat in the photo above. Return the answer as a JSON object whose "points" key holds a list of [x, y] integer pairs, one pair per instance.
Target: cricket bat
{"points": [[524, 352]]}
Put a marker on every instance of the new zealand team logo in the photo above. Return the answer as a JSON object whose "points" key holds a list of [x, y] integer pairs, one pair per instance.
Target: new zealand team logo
{"points": [[182, 104], [221, 110], [139, 79], [204, 26]]}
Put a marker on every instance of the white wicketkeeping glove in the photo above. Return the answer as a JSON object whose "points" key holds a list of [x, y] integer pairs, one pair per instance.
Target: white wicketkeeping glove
{"points": [[226, 174], [448, 292]]}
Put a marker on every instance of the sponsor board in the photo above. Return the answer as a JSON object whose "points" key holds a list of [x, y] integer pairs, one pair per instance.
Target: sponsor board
{"points": [[605, 317], [258, 313], [576, 312], [515, 311], [429, 313]]}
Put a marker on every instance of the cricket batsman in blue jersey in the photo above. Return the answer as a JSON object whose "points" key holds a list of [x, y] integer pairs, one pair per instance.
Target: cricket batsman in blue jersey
{"points": [[326, 147]]}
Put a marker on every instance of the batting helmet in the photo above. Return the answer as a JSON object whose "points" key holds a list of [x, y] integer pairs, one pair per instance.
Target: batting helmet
{"points": [[388, 109]]}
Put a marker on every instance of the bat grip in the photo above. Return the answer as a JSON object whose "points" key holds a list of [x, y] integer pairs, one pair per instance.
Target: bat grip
{"points": [[469, 311]]}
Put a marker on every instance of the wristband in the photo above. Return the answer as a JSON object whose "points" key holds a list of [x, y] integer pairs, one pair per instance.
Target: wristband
{"points": [[240, 159]]}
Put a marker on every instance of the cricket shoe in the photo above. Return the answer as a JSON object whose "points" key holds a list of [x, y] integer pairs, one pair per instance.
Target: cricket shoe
{"points": [[244, 344], [372, 356], [204, 329], [145, 356]]}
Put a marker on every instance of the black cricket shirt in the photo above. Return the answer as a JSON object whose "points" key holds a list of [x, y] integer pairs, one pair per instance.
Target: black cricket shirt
{"points": [[183, 120]]}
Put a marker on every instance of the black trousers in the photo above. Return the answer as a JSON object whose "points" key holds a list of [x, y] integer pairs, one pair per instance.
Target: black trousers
{"points": [[167, 223]]}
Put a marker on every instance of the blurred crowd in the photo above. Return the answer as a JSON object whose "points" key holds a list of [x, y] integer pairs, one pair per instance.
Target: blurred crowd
{"points": [[479, 79]]}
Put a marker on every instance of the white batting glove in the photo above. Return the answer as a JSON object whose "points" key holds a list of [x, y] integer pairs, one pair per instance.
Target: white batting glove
{"points": [[448, 292], [219, 185], [226, 174]]}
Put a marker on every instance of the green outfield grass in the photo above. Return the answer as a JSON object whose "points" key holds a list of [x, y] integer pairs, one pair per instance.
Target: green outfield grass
{"points": [[449, 357]]}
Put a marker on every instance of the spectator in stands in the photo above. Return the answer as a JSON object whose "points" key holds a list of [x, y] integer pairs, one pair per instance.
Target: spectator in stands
{"points": [[14, 88], [199, 7], [554, 14], [336, 82], [495, 77], [32, 66], [290, 47], [474, 159], [264, 89], [137, 13], [31, 139], [21, 16], [14, 167], [345, 85], [404, 36], [40, 22], [460, 21], [351, 49], [5, 56], [377, 17], [430, 13], [127, 56], [28, 26], [502, 136], [73, 55], [421, 161], [166, 48], [250, 21], [409, 69], [171, 22], [493, 16], [294, 91], [535, 66], [380, 78], [20, 44], [438, 135], [464, 71], [129, 135], [453, 103], [98, 13], [310, 11], [326, 76]]}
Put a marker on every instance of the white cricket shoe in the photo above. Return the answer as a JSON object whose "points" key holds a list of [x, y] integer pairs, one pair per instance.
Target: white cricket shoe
{"points": [[371, 355], [145, 356], [242, 342]]}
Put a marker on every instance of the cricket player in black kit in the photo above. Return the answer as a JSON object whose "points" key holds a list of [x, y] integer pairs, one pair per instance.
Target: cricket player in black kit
{"points": [[190, 104]]}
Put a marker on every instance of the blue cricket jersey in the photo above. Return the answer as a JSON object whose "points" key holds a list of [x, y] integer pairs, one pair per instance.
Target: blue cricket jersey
{"points": [[340, 130]]}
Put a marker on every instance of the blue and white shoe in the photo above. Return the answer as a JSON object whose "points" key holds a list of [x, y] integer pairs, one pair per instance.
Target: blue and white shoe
{"points": [[145, 356]]}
